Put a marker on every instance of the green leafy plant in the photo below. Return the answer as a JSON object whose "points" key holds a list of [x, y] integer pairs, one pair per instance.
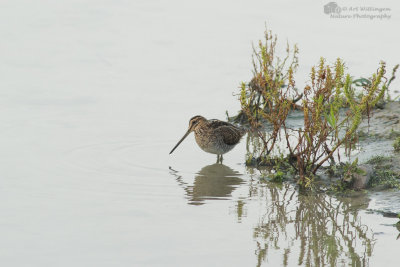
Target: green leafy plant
{"points": [[325, 131], [349, 170], [396, 144], [271, 95], [278, 177]]}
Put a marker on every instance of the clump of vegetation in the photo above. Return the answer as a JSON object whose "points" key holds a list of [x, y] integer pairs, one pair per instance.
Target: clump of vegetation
{"points": [[394, 134], [349, 170], [268, 98], [396, 144], [324, 131], [272, 80], [398, 225], [384, 177], [278, 177], [378, 160]]}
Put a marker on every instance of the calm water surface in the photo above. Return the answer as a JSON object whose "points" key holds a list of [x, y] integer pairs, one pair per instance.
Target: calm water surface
{"points": [[94, 94]]}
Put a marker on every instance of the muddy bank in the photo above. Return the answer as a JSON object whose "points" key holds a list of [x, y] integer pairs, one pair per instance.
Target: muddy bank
{"points": [[377, 137], [384, 122]]}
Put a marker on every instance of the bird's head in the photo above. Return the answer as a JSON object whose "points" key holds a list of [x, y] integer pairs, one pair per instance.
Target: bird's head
{"points": [[194, 122]]}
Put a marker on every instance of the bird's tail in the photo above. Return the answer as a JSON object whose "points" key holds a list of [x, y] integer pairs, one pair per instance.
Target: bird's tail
{"points": [[243, 130]]}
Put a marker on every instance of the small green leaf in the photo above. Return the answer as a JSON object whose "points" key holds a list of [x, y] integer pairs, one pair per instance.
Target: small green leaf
{"points": [[332, 117]]}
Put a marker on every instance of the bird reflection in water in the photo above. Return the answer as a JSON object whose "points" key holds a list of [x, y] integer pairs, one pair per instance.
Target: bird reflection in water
{"points": [[216, 181]]}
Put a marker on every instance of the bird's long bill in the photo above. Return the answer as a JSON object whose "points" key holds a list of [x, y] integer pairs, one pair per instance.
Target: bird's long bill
{"points": [[180, 141]]}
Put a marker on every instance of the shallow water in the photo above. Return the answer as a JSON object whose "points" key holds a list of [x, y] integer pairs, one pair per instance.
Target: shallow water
{"points": [[94, 94]]}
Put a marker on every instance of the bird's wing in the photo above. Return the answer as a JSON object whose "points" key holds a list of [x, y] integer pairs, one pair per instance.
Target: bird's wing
{"points": [[217, 123], [230, 134]]}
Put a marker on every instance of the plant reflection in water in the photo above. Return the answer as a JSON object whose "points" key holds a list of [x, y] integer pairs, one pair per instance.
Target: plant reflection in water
{"points": [[315, 229]]}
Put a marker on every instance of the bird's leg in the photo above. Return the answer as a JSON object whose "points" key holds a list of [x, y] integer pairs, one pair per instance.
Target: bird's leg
{"points": [[217, 158], [220, 159]]}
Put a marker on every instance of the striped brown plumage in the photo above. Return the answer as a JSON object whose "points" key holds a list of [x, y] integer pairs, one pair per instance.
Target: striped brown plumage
{"points": [[213, 136]]}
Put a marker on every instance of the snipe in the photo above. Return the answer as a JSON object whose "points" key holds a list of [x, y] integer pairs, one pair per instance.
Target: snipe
{"points": [[213, 136]]}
